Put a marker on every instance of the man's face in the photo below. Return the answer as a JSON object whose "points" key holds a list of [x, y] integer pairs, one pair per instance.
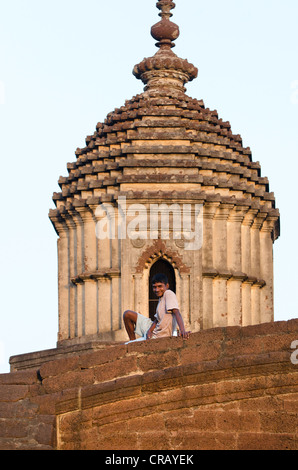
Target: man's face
{"points": [[159, 288]]}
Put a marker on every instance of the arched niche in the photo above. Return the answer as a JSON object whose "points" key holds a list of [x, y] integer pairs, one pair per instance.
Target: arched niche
{"points": [[161, 265]]}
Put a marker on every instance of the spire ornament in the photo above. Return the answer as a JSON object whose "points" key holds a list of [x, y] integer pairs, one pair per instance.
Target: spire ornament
{"points": [[165, 31], [165, 70]]}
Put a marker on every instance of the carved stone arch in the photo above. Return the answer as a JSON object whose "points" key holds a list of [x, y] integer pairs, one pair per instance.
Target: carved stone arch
{"points": [[160, 250]]}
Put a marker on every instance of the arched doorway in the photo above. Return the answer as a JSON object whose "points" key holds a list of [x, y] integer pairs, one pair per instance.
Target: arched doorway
{"points": [[160, 266]]}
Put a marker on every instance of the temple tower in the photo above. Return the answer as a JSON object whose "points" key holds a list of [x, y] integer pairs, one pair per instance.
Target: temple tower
{"points": [[163, 184]]}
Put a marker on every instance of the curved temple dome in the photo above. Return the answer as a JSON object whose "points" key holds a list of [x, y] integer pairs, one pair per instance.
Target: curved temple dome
{"points": [[163, 147]]}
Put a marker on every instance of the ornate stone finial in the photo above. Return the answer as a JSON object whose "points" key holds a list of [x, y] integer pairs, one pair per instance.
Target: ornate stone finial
{"points": [[165, 31], [165, 70]]}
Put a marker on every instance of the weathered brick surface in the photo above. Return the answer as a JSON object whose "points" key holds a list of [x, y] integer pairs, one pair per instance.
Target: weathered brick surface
{"points": [[225, 388]]}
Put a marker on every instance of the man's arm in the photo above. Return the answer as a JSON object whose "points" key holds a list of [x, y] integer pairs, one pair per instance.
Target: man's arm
{"points": [[177, 314], [151, 329]]}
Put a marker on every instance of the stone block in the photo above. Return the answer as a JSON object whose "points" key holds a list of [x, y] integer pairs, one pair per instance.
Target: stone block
{"points": [[103, 356], [117, 368], [62, 366], [266, 441], [158, 361], [70, 379], [154, 439], [13, 393], [13, 428], [145, 424], [200, 353], [279, 422], [19, 378]]}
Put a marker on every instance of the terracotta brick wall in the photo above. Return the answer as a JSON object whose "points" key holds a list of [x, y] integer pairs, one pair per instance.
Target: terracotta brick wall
{"points": [[24, 425], [225, 388]]}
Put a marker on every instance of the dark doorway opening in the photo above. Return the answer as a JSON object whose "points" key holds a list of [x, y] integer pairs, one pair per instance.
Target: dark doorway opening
{"points": [[160, 266]]}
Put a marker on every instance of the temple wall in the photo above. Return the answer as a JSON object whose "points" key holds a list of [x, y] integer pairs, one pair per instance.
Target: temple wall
{"points": [[224, 388]]}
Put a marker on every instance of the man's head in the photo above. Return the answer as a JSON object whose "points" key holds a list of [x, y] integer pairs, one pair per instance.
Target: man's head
{"points": [[160, 284]]}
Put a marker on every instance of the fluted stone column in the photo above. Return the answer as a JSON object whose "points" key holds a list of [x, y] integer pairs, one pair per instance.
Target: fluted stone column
{"points": [[104, 285], [90, 265], [104, 303], [138, 292], [209, 274], [63, 278], [246, 244], [255, 303], [207, 300], [115, 280], [266, 259], [184, 297], [256, 267], [247, 301], [255, 244], [220, 292], [115, 300], [72, 260], [234, 255], [79, 249]]}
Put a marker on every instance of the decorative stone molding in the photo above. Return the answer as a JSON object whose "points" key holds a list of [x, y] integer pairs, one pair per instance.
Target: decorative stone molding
{"points": [[236, 276], [138, 243], [94, 276], [160, 250]]}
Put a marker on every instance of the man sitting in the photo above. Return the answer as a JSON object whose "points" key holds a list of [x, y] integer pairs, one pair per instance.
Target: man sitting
{"points": [[166, 319]]}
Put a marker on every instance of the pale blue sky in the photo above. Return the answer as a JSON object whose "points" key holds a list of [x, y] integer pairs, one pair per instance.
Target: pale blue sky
{"points": [[65, 64]]}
